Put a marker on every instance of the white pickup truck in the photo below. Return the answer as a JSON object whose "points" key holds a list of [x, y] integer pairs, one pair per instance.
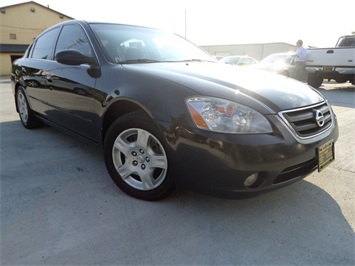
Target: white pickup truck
{"points": [[336, 63]]}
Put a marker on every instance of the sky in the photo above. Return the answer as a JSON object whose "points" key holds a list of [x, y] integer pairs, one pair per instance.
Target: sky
{"points": [[209, 22]]}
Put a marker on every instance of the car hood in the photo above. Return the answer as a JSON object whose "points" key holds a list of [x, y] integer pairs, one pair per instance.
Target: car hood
{"points": [[269, 66], [212, 79]]}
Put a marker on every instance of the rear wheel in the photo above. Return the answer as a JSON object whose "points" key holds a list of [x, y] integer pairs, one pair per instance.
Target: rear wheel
{"points": [[285, 73], [341, 79], [27, 117], [314, 80], [136, 158]]}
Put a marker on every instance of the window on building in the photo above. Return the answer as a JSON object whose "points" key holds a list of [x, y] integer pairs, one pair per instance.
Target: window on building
{"points": [[13, 36]]}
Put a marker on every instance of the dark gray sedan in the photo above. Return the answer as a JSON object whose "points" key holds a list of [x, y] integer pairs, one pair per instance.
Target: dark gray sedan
{"points": [[167, 114]]}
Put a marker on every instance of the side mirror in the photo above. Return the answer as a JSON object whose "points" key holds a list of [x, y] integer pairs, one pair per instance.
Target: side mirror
{"points": [[74, 58]]}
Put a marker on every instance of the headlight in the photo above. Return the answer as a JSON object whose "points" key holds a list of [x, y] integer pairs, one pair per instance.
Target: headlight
{"points": [[225, 116]]}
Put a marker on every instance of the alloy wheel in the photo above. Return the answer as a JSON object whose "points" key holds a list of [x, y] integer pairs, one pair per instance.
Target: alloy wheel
{"points": [[140, 159]]}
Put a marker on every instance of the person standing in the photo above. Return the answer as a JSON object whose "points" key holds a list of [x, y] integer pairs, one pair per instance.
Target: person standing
{"points": [[300, 61]]}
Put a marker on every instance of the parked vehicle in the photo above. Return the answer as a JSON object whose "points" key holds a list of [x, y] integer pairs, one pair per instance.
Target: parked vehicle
{"points": [[238, 60], [166, 113], [336, 63], [280, 63]]}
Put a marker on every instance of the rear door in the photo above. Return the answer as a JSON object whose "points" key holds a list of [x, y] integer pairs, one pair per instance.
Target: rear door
{"points": [[34, 68]]}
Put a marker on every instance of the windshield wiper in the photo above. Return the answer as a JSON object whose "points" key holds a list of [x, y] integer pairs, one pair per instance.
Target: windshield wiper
{"points": [[197, 60], [145, 60], [134, 61]]}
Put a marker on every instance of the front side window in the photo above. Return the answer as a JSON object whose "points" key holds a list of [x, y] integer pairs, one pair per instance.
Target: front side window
{"points": [[43, 48], [74, 38]]}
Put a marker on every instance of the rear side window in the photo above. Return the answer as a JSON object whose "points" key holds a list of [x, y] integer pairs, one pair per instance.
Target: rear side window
{"points": [[73, 37], [43, 48], [346, 41]]}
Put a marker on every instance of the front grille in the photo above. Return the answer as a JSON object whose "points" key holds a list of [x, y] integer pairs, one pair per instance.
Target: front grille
{"points": [[303, 121]]}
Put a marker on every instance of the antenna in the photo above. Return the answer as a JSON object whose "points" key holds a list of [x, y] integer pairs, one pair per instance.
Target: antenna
{"points": [[185, 24]]}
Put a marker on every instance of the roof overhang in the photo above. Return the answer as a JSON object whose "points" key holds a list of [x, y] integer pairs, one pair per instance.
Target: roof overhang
{"points": [[13, 48]]}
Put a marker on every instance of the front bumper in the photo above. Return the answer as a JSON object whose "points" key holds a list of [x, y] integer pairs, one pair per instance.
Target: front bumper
{"points": [[218, 164]]}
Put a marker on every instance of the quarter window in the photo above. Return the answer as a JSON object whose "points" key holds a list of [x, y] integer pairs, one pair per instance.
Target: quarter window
{"points": [[74, 38], [44, 45]]}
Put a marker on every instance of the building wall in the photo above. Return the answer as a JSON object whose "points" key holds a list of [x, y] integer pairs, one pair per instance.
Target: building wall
{"points": [[19, 26], [258, 51]]}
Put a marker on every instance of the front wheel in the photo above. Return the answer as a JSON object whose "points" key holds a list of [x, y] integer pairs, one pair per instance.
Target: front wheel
{"points": [[136, 158]]}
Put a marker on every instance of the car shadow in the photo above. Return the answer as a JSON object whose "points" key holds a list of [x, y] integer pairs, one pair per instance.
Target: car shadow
{"points": [[300, 219], [58, 203]]}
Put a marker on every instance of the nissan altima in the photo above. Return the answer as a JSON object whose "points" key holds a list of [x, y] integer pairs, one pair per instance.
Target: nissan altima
{"points": [[168, 115]]}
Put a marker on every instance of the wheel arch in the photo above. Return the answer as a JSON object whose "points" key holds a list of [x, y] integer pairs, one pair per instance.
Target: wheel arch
{"points": [[118, 109]]}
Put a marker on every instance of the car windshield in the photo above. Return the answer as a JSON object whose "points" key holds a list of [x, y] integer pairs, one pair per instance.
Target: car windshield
{"points": [[233, 60], [132, 44], [277, 59]]}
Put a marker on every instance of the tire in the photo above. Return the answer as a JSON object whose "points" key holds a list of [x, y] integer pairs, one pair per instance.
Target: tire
{"points": [[341, 79], [27, 117], [285, 73], [137, 159], [314, 80]]}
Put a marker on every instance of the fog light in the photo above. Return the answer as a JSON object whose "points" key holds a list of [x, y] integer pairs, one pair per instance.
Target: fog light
{"points": [[251, 180]]}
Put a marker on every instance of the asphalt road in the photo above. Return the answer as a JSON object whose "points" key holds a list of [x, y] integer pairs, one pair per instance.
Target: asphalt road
{"points": [[60, 207]]}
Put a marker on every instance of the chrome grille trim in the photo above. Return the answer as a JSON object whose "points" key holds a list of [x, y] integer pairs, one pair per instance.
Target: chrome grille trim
{"points": [[302, 122]]}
